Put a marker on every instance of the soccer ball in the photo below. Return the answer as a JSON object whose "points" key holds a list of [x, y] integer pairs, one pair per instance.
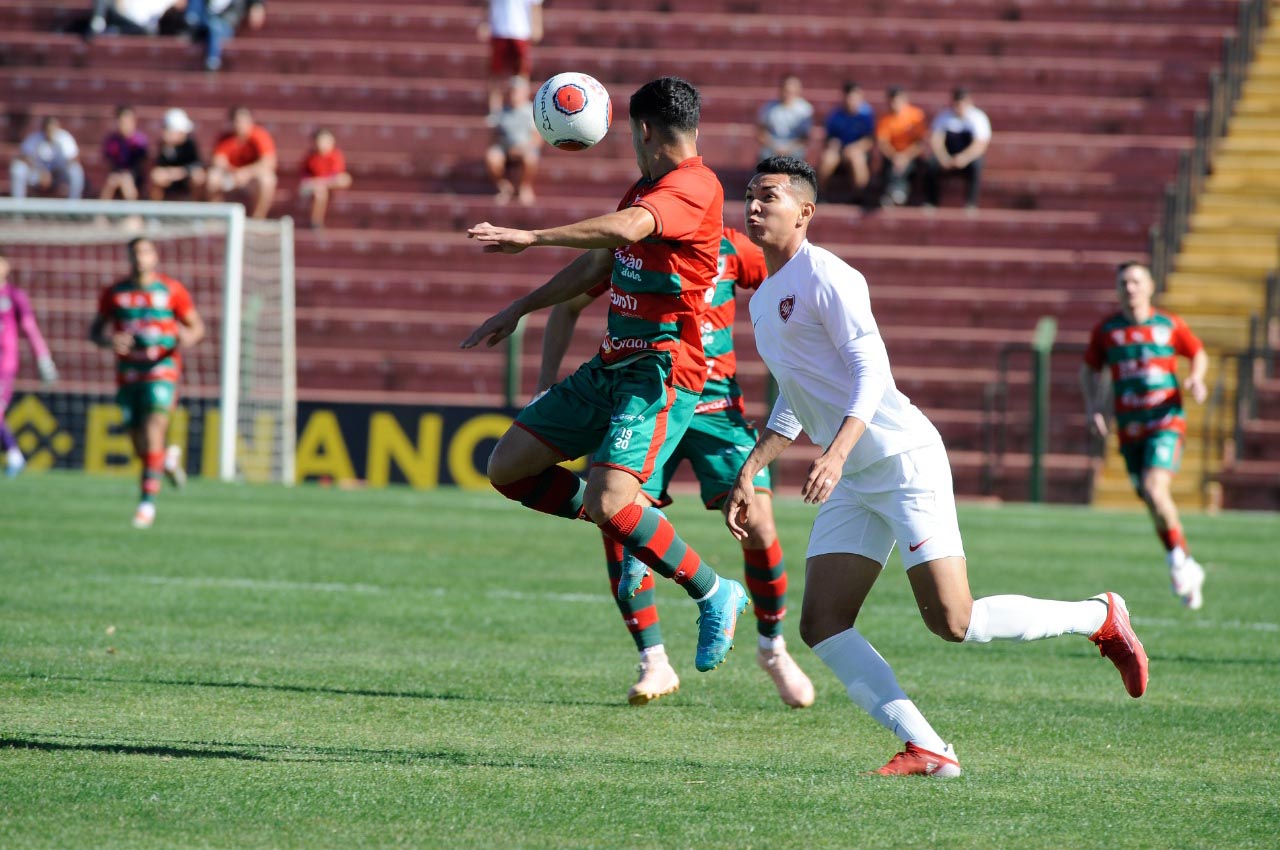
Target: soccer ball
{"points": [[572, 111]]}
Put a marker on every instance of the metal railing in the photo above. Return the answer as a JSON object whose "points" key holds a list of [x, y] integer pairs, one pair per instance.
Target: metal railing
{"points": [[1209, 125]]}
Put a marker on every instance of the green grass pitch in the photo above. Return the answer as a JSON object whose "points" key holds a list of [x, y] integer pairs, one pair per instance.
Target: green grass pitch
{"points": [[314, 668]]}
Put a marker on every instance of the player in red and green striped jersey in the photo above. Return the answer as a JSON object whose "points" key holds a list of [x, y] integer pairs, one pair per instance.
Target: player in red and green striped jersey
{"points": [[718, 439], [146, 319], [1140, 346]]}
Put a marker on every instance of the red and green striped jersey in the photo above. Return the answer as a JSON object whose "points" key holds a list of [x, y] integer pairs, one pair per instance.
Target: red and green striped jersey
{"points": [[741, 266], [658, 290], [150, 311], [1143, 359]]}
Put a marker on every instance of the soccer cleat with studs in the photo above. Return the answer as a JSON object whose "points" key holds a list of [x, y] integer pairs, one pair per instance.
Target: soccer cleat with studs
{"points": [[717, 622], [917, 761], [657, 679], [793, 685], [1117, 641], [1187, 582]]}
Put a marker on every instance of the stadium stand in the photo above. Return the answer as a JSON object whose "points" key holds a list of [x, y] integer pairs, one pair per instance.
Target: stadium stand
{"points": [[1091, 104]]}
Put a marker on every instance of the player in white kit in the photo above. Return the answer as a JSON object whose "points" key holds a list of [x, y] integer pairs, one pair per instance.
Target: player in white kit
{"points": [[882, 478]]}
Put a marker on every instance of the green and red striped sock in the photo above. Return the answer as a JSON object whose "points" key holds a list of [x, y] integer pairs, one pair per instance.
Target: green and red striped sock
{"points": [[639, 613], [152, 472], [767, 581], [648, 535], [555, 491]]}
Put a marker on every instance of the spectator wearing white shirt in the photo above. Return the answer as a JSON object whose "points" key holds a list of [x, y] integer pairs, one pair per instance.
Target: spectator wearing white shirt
{"points": [[786, 123], [49, 157], [882, 479], [958, 143], [128, 17], [512, 28]]}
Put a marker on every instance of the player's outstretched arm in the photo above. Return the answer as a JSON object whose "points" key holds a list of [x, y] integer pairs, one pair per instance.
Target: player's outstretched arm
{"points": [[584, 272], [737, 508], [555, 339], [607, 231]]}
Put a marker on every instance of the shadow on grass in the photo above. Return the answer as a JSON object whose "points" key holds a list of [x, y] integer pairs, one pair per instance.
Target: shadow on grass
{"points": [[318, 689], [284, 753], [161, 750]]}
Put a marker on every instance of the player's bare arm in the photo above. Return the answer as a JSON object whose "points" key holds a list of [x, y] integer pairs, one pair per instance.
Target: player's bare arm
{"points": [[1091, 385], [120, 343], [826, 470], [1194, 383], [190, 329], [555, 339], [584, 272], [606, 231], [737, 507]]}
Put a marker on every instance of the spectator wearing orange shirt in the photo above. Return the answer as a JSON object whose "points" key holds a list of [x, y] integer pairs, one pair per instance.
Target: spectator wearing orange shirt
{"points": [[323, 170], [244, 162], [900, 136]]}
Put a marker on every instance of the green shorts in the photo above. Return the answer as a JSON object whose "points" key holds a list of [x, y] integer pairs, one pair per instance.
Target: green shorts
{"points": [[622, 417], [1161, 450], [715, 445], [138, 400]]}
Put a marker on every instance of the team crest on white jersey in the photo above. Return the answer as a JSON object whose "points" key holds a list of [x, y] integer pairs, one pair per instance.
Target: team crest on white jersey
{"points": [[1161, 334], [786, 307]]}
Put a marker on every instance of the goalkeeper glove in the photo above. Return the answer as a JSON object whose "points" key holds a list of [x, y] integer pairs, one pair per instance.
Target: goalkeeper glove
{"points": [[48, 372]]}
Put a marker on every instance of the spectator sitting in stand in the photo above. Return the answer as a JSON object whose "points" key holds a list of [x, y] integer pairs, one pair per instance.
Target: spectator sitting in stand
{"points": [[959, 142], [785, 123], [177, 167], [125, 151], [49, 157], [515, 143], [850, 134], [323, 170], [244, 160], [129, 17], [216, 22], [900, 135]]}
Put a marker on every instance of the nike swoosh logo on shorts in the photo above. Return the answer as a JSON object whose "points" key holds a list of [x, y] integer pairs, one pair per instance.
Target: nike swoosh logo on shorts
{"points": [[918, 545]]}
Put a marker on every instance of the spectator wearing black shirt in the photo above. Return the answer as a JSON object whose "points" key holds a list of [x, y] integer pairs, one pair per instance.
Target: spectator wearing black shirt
{"points": [[177, 166]]}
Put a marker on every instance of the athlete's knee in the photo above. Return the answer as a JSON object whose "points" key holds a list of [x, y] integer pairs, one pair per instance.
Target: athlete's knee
{"points": [[949, 622], [601, 505], [816, 625], [502, 467]]}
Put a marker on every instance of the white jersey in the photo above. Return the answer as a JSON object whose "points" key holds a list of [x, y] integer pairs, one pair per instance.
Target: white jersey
{"points": [[815, 331]]}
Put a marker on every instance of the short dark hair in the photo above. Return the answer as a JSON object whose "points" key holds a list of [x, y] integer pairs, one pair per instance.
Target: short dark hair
{"points": [[238, 108], [796, 169], [134, 242], [851, 86], [1129, 264], [959, 93], [894, 91], [669, 103], [123, 108]]}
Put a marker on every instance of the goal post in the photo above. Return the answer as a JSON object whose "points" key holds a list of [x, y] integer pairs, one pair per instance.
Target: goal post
{"points": [[238, 395]]}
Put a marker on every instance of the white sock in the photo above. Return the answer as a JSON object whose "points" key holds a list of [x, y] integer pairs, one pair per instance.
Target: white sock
{"points": [[1176, 557], [772, 644], [656, 649], [1024, 618], [869, 681]]}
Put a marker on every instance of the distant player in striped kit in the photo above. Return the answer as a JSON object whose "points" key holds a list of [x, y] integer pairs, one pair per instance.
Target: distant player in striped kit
{"points": [[1140, 346], [883, 479], [718, 439], [17, 319], [146, 320]]}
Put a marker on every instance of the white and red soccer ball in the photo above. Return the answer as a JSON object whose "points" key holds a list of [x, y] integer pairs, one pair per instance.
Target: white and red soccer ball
{"points": [[572, 111]]}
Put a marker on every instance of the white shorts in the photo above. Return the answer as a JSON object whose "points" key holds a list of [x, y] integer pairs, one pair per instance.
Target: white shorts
{"points": [[907, 498]]}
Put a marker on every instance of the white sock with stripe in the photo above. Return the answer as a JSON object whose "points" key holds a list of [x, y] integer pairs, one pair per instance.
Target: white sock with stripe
{"points": [[870, 682]]}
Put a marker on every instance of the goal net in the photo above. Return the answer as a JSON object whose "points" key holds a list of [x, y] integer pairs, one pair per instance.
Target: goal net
{"points": [[236, 410]]}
